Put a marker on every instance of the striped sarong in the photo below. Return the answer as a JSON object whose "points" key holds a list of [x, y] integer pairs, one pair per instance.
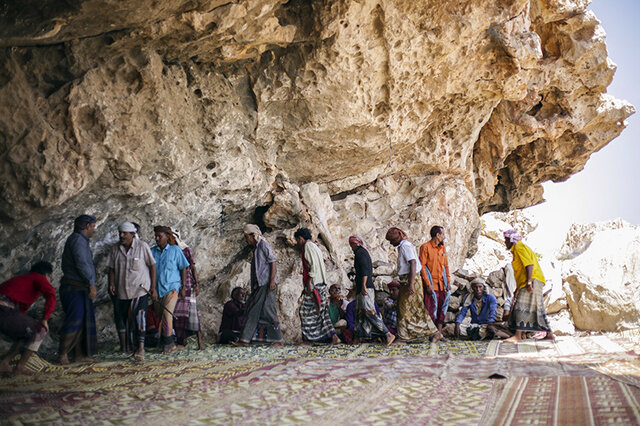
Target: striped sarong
{"points": [[527, 311], [316, 327]]}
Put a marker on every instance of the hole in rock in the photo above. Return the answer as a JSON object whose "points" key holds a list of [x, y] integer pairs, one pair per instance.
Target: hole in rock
{"points": [[258, 217], [198, 93], [533, 111], [496, 376], [211, 166]]}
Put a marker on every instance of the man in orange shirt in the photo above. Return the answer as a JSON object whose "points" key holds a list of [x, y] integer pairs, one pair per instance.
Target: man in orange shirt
{"points": [[435, 276]]}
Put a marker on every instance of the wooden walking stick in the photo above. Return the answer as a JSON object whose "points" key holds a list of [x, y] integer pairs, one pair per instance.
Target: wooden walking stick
{"points": [[157, 301]]}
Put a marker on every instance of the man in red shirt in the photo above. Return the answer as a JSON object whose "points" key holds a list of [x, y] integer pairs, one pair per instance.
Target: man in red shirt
{"points": [[27, 333]]}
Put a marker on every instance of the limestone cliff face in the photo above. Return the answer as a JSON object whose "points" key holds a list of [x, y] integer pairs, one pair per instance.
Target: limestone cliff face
{"points": [[347, 116]]}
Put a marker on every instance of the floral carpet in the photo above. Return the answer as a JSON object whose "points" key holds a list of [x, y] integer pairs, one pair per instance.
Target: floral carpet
{"points": [[589, 380]]}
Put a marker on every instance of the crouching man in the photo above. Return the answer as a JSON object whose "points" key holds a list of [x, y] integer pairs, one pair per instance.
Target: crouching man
{"points": [[482, 306], [16, 297]]}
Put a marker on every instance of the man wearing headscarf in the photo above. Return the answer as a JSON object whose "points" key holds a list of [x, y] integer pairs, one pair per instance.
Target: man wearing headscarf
{"points": [[482, 306], [414, 321], [261, 323], [187, 320], [368, 322], [527, 310], [171, 274], [132, 275], [77, 291]]}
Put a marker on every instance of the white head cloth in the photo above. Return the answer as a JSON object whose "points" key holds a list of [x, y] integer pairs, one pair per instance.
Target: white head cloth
{"points": [[127, 227], [251, 229], [178, 237]]}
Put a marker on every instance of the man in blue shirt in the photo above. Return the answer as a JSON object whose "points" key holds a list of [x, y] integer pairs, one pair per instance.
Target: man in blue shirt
{"points": [[77, 291], [171, 274], [482, 306]]}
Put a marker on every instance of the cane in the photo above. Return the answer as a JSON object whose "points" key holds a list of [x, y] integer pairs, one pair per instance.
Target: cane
{"points": [[156, 301]]}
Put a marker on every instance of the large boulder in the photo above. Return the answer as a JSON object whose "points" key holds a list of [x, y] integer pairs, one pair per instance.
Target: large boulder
{"points": [[601, 274]]}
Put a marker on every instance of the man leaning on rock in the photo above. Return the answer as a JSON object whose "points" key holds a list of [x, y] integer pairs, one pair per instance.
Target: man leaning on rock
{"points": [[77, 291]]}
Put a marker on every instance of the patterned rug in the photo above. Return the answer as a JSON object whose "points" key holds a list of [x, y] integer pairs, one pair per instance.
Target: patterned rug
{"points": [[564, 400], [454, 382]]}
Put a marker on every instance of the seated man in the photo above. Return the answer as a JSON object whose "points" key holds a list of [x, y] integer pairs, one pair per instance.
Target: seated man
{"points": [[482, 306], [232, 317], [337, 304], [27, 333], [391, 307]]}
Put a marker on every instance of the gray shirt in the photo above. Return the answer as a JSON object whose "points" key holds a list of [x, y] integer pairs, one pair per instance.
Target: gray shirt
{"points": [[131, 269], [77, 260], [263, 257]]}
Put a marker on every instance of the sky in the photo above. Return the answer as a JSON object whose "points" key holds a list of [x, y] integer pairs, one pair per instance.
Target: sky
{"points": [[605, 189]]}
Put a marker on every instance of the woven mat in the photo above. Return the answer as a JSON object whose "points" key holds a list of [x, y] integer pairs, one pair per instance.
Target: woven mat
{"points": [[443, 383], [596, 400]]}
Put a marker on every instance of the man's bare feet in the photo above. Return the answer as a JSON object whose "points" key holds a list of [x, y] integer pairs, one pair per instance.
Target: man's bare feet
{"points": [[550, 336], [84, 359], [201, 346], [390, 339], [63, 360], [335, 340], [139, 355], [513, 339], [277, 345], [20, 370], [173, 348], [305, 344], [240, 344], [436, 337]]}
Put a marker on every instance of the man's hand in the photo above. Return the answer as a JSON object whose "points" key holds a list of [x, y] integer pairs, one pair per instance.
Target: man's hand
{"points": [[154, 295], [429, 289], [272, 286], [410, 289], [92, 292], [112, 289], [183, 292], [530, 287], [197, 289], [45, 324], [364, 291]]}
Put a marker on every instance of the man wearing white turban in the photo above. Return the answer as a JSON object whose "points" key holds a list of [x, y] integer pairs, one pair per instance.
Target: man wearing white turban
{"points": [[261, 323], [132, 273]]}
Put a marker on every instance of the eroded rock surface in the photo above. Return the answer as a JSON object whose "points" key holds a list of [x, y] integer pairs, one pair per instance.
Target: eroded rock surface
{"points": [[344, 116]]}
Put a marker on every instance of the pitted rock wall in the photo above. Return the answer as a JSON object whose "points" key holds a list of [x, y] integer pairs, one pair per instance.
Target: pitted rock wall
{"points": [[345, 116]]}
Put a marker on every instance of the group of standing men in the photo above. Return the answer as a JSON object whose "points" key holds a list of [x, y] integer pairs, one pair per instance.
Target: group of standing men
{"points": [[165, 275]]}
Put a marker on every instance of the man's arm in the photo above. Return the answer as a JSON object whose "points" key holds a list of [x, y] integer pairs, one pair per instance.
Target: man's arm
{"points": [[49, 293], [84, 261], [412, 274], [273, 269], [152, 275], [183, 279], [446, 267], [112, 282], [308, 259], [424, 257], [493, 304], [529, 269]]}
